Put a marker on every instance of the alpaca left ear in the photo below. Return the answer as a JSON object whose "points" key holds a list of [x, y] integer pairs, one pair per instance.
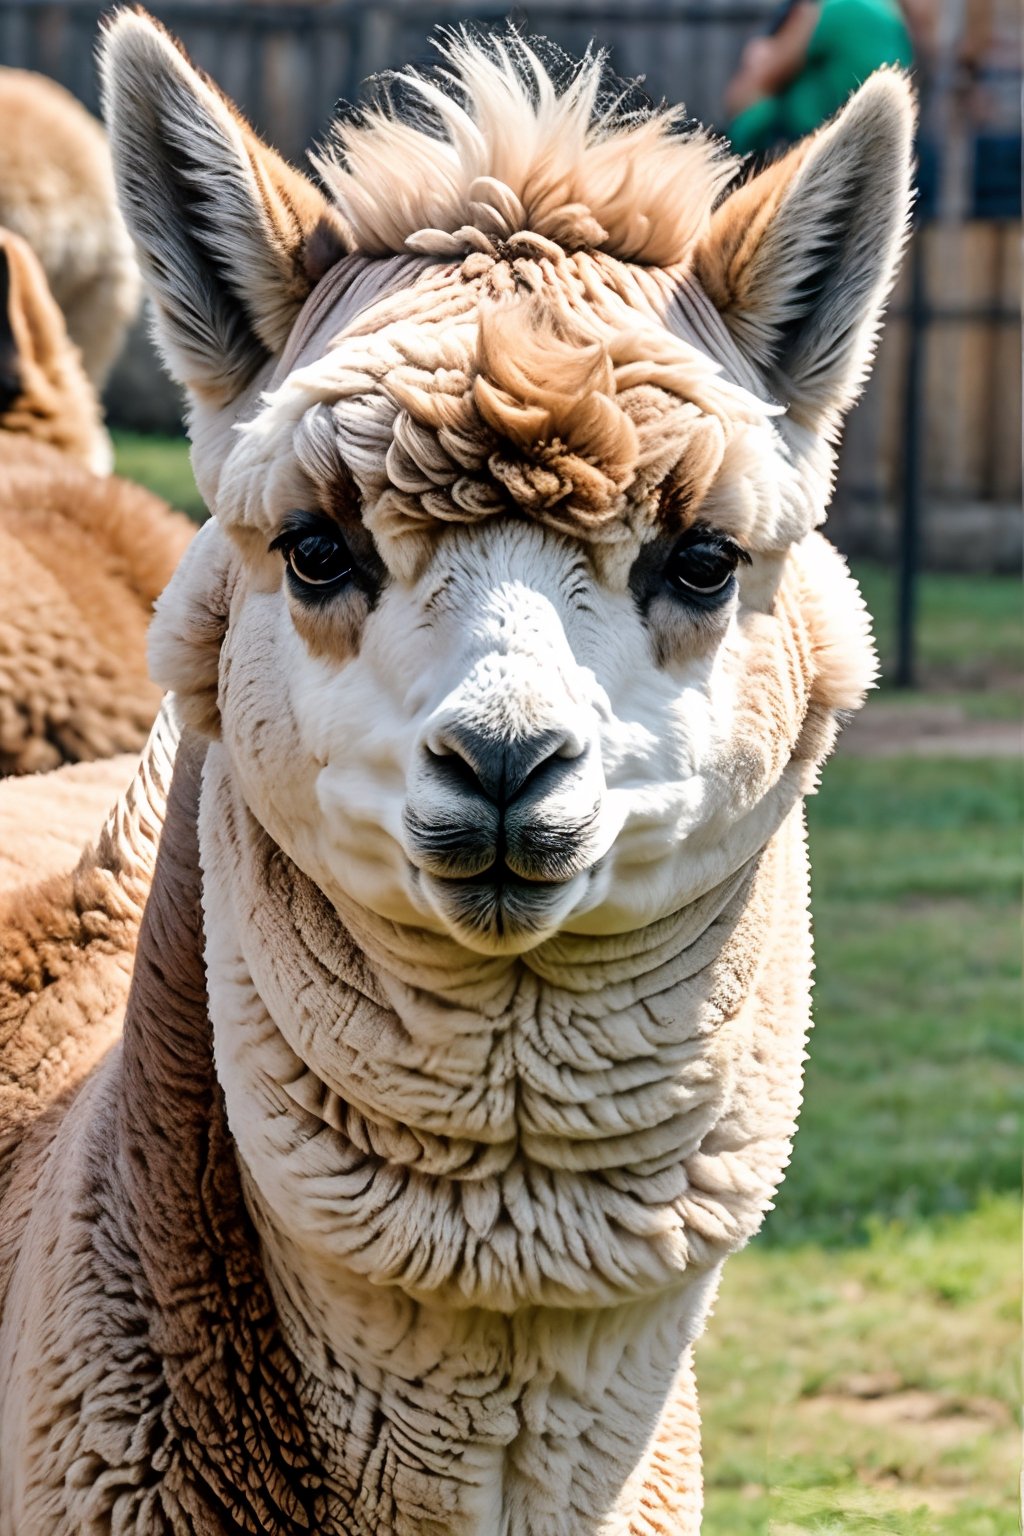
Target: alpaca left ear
{"points": [[230, 238], [800, 259]]}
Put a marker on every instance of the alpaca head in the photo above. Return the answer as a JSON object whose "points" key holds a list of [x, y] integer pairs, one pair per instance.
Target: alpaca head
{"points": [[45, 394], [512, 619]]}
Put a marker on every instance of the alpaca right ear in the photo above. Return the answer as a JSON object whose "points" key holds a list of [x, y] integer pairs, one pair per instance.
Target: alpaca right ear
{"points": [[799, 260], [10, 372], [230, 238], [189, 625]]}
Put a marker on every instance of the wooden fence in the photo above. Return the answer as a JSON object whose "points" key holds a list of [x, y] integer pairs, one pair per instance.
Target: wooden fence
{"points": [[287, 65]]}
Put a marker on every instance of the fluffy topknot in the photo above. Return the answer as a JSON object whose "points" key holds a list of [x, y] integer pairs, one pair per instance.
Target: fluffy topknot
{"points": [[504, 136]]}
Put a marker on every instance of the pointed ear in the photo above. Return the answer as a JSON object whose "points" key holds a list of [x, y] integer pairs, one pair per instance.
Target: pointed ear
{"points": [[10, 372], [800, 259], [230, 238], [33, 332], [45, 392]]}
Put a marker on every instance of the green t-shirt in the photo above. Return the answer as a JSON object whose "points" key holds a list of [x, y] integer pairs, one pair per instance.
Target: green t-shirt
{"points": [[852, 38]]}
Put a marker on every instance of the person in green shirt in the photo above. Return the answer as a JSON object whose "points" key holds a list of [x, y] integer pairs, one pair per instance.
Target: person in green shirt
{"points": [[821, 50]]}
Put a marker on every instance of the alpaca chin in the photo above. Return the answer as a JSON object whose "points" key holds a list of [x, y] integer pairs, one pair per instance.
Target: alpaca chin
{"points": [[507, 915]]}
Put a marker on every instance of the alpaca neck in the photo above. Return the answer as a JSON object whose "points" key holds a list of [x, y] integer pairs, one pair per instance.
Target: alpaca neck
{"points": [[475, 1423], [491, 1218]]}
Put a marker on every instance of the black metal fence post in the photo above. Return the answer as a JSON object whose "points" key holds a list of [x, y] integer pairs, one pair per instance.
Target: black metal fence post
{"points": [[910, 510]]}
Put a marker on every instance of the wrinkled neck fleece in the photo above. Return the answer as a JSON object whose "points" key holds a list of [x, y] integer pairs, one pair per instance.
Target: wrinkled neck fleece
{"points": [[415, 1258]]}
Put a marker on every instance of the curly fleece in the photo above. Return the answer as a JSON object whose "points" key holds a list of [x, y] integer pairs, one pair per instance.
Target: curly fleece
{"points": [[82, 561]]}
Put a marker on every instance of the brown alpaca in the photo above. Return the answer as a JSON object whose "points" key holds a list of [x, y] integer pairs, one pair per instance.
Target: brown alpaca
{"points": [[82, 560], [45, 393], [69, 214], [69, 919], [47, 818]]}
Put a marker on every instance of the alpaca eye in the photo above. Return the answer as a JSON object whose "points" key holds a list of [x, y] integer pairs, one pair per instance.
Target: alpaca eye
{"points": [[317, 555], [704, 566], [320, 560]]}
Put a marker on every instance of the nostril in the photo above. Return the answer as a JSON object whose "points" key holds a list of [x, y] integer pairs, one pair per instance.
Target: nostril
{"points": [[572, 746], [500, 768], [453, 766]]}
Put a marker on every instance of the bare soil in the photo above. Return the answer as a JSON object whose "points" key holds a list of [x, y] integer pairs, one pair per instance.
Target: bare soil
{"points": [[928, 730]]}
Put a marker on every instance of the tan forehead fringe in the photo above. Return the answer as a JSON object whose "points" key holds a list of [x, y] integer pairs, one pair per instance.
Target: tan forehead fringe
{"points": [[491, 145]]}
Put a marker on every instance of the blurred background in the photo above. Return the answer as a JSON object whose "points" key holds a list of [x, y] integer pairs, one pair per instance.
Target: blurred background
{"points": [[860, 1374]]}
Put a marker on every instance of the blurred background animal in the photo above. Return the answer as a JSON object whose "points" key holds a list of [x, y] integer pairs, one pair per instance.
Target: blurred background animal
{"points": [[57, 192], [46, 397], [83, 556]]}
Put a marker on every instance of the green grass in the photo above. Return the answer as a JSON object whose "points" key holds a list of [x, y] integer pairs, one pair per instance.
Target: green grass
{"points": [[892, 1254], [162, 464], [970, 632], [867, 1390], [914, 1087]]}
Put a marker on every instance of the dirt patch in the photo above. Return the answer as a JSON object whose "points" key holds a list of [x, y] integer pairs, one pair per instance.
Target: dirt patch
{"points": [[928, 730], [944, 1421]]}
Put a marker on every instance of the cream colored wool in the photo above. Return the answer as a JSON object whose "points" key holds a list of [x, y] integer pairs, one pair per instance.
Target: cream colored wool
{"points": [[57, 193], [47, 819], [470, 1001]]}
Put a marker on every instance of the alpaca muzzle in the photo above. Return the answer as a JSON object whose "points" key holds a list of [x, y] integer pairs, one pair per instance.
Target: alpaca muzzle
{"points": [[502, 827], [523, 806]]}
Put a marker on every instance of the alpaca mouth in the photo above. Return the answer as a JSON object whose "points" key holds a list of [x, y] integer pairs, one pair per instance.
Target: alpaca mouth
{"points": [[494, 851], [497, 904]]}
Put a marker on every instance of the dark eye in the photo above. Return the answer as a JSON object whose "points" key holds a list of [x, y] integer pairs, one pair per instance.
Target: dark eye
{"points": [[703, 565], [317, 556], [320, 560]]}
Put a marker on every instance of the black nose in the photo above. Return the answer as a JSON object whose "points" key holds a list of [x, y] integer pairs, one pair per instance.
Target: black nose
{"points": [[495, 767]]}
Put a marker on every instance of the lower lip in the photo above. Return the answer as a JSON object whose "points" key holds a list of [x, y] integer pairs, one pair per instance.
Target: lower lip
{"points": [[499, 880]]}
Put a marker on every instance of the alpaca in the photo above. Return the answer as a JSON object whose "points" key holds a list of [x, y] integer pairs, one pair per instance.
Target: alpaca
{"points": [[69, 920], [465, 1035], [83, 555], [47, 818], [57, 192], [45, 394], [83, 558]]}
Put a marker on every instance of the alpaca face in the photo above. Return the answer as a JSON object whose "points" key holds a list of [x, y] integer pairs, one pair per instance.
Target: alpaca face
{"points": [[505, 749], [514, 621], [493, 692]]}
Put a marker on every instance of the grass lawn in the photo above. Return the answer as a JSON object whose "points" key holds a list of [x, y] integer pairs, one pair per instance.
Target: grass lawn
{"points": [[867, 1389], [970, 639], [162, 464], [860, 1374]]}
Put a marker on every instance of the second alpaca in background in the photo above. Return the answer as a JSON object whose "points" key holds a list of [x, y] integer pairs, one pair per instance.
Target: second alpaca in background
{"points": [[83, 556], [57, 192], [46, 396]]}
